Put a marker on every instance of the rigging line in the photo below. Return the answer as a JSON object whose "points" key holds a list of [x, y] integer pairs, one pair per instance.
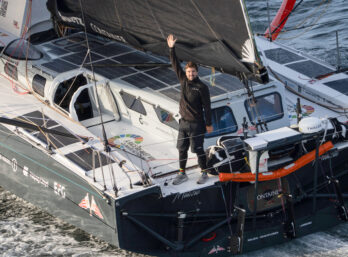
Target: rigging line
{"points": [[49, 141], [217, 38], [117, 14], [154, 17], [105, 141], [72, 83], [287, 16], [314, 22]]}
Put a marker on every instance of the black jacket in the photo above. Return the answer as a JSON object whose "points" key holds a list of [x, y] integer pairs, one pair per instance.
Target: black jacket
{"points": [[194, 96]]}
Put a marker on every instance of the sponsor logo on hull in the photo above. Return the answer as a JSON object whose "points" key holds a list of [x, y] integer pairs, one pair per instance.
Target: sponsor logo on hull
{"points": [[91, 206]]}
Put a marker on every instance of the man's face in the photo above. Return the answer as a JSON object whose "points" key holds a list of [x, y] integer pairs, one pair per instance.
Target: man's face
{"points": [[191, 73]]}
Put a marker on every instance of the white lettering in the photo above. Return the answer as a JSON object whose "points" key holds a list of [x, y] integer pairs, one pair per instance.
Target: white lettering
{"points": [[267, 195], [14, 165], [106, 33], [72, 19], [183, 196], [59, 189], [25, 171]]}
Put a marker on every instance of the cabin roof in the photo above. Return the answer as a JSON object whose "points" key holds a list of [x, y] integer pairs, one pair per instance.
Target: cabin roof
{"points": [[70, 53]]}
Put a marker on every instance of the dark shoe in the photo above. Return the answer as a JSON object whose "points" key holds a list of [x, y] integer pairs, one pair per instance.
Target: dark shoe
{"points": [[180, 178], [203, 178]]}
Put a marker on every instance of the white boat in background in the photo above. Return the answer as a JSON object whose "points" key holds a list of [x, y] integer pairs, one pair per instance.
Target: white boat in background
{"points": [[88, 128]]}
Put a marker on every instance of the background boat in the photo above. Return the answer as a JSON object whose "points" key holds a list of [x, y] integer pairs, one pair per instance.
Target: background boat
{"points": [[26, 231]]}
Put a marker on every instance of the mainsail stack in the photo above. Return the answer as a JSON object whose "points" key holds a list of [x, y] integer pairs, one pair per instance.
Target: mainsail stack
{"points": [[210, 34]]}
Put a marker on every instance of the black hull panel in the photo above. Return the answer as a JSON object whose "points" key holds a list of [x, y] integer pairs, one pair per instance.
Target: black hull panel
{"points": [[32, 175], [197, 223], [151, 224]]}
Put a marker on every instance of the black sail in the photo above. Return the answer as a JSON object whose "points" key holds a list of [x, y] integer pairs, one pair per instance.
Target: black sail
{"points": [[210, 33]]}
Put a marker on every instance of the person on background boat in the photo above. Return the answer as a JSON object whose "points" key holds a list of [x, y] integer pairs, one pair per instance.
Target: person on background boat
{"points": [[195, 114]]}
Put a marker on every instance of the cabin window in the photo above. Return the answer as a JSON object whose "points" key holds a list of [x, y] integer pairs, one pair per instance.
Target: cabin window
{"points": [[11, 70], [223, 121], [166, 118], [21, 49], [66, 89], [39, 84], [83, 106], [268, 108], [133, 103]]}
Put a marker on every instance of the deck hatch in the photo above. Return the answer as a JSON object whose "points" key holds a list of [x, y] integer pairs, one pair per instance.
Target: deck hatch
{"points": [[282, 56]]}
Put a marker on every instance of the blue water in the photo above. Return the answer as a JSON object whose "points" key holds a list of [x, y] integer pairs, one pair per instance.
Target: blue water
{"points": [[27, 231]]}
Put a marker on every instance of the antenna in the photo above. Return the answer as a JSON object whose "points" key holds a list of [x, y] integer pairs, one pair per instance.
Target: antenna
{"points": [[338, 53], [269, 23]]}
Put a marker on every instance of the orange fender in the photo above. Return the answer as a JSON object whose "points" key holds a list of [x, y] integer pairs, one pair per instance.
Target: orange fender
{"points": [[270, 175]]}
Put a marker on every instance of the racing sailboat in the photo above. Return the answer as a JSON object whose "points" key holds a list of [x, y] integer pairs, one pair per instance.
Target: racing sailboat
{"points": [[89, 123]]}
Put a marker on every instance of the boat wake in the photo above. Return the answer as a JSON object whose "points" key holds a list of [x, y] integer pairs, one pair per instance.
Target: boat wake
{"points": [[28, 231]]}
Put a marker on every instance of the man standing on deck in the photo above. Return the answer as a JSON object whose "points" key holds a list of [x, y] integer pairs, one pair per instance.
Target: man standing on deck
{"points": [[194, 98]]}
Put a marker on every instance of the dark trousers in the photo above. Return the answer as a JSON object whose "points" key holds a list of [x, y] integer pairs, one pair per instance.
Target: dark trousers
{"points": [[191, 134]]}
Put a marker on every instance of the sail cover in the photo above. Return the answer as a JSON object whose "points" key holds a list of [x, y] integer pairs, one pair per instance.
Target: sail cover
{"points": [[210, 33]]}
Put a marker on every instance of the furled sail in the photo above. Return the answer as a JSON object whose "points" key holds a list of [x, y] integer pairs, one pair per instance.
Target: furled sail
{"points": [[210, 33]]}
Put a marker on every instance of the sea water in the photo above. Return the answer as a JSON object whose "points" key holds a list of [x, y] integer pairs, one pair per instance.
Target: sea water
{"points": [[27, 231]]}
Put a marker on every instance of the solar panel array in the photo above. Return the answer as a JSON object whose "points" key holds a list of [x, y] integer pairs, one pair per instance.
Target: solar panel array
{"points": [[107, 59]]}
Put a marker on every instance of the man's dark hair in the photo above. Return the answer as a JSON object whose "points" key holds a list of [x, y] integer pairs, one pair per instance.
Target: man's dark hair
{"points": [[191, 65]]}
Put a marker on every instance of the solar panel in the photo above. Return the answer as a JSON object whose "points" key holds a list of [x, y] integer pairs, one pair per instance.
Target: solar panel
{"points": [[106, 69], [84, 159], [78, 58], [282, 56], [214, 91], [171, 93], [309, 68], [70, 40], [227, 82], [340, 85], [58, 140], [164, 74], [55, 50], [112, 50], [82, 47], [141, 81], [38, 118], [203, 71], [59, 66], [135, 57]]}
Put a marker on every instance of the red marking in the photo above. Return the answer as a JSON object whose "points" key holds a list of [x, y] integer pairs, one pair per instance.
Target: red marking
{"points": [[208, 239], [280, 19]]}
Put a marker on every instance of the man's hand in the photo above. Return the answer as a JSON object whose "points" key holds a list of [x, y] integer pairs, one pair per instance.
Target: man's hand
{"points": [[209, 129], [171, 40]]}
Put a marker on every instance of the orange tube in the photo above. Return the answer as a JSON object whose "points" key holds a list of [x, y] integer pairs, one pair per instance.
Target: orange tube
{"points": [[270, 175]]}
